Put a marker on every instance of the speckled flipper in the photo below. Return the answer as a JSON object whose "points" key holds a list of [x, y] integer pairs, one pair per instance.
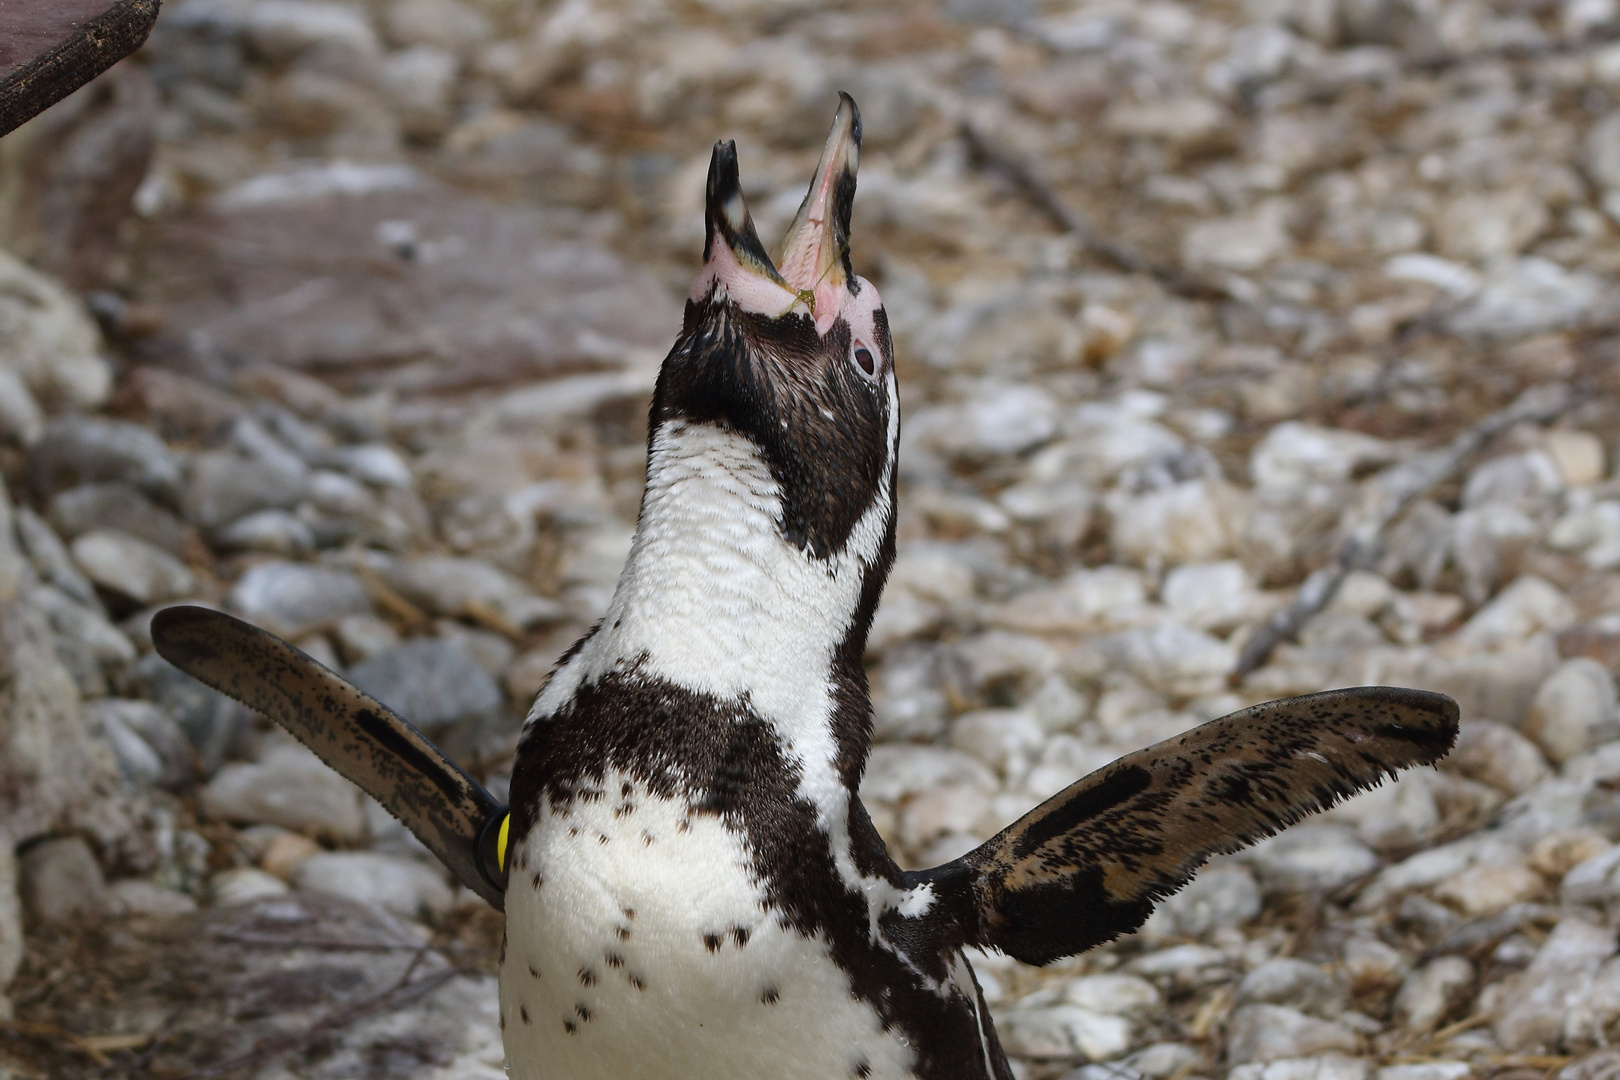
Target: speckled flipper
{"points": [[1089, 863], [355, 734]]}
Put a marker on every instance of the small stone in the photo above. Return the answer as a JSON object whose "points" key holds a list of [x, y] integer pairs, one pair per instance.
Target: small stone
{"points": [[362, 636], [290, 787], [446, 24], [61, 882], [1370, 965], [1531, 1010], [1109, 597], [1557, 853], [1008, 740], [1595, 880], [1210, 596], [136, 896], [951, 809], [1497, 755], [1293, 454], [1243, 242], [1324, 1067], [281, 29], [1001, 420], [115, 505], [1363, 593], [1274, 1032], [76, 450], [1528, 478], [293, 599], [896, 771], [285, 852], [1185, 966], [1427, 1070], [150, 747], [1311, 858], [1056, 705], [51, 557], [1579, 455], [402, 886], [1574, 710], [222, 486], [131, 567], [276, 532], [1223, 895], [429, 681], [210, 720], [1174, 660], [1490, 225], [22, 421], [1433, 992], [1113, 994], [1063, 1031], [1485, 890], [908, 696], [1297, 983], [51, 343], [1601, 151], [373, 463], [1529, 295], [11, 922], [244, 883], [1181, 523], [1530, 604], [455, 588]]}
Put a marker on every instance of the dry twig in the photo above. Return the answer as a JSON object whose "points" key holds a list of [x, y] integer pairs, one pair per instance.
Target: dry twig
{"points": [[1109, 250], [1394, 491], [396, 997]]}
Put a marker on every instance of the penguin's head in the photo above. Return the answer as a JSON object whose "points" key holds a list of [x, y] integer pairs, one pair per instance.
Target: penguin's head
{"points": [[795, 357]]}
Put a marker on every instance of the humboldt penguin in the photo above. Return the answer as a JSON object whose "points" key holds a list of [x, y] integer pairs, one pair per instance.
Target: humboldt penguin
{"points": [[691, 884]]}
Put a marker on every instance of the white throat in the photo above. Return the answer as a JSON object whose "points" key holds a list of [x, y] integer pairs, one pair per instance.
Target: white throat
{"points": [[714, 599]]}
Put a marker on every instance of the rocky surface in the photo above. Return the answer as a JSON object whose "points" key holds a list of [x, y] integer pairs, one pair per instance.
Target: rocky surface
{"points": [[343, 315]]}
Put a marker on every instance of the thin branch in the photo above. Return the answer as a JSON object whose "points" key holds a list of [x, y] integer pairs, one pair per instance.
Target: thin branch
{"points": [[396, 997], [1394, 491], [91, 48], [1117, 254]]}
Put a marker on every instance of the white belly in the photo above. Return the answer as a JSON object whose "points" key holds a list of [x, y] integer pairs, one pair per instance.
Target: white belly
{"points": [[647, 951]]}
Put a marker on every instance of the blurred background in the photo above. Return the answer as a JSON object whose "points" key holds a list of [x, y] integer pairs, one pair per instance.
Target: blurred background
{"points": [[344, 316]]}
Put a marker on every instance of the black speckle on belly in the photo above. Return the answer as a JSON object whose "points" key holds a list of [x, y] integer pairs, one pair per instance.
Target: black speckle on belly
{"points": [[770, 996], [739, 934], [533, 972], [582, 1012], [712, 942], [862, 1070], [637, 981], [614, 960], [568, 1026], [587, 977], [523, 1011]]}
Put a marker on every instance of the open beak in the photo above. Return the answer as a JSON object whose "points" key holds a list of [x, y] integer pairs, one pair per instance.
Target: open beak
{"points": [[815, 251], [816, 271], [728, 221]]}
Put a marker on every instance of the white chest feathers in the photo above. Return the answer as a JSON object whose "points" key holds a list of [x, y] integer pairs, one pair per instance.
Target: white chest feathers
{"points": [[640, 945]]}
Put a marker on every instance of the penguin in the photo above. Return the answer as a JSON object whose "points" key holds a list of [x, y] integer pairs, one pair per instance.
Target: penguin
{"points": [[691, 884]]}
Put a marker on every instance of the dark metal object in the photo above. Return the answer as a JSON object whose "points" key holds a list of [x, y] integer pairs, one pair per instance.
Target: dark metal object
{"points": [[50, 48]]}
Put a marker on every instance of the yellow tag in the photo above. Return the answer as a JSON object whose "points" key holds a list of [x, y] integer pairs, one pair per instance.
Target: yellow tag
{"points": [[500, 843]]}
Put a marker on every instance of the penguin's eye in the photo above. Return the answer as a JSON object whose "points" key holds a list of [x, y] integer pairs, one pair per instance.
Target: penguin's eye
{"points": [[863, 358]]}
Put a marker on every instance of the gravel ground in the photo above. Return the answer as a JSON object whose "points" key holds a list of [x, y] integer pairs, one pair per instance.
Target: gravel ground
{"points": [[344, 317]]}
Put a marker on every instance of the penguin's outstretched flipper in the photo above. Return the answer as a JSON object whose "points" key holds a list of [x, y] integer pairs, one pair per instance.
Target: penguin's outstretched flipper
{"points": [[1088, 864], [355, 734]]}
